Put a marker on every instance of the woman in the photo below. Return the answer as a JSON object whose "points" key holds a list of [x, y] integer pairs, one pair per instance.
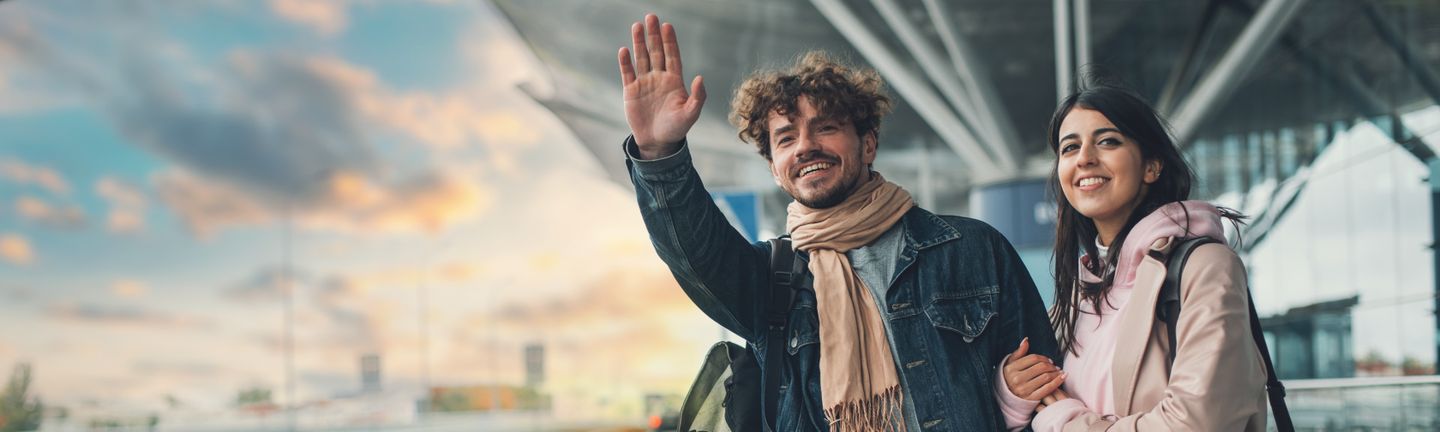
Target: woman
{"points": [[1124, 189]]}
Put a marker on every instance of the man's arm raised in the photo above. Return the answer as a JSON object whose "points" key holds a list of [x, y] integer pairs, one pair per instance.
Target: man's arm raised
{"points": [[658, 108]]}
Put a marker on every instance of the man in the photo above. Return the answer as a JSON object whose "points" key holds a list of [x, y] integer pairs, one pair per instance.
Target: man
{"points": [[902, 316]]}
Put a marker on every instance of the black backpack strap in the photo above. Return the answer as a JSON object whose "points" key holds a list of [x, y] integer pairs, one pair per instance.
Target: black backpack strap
{"points": [[784, 272], [1167, 309], [1273, 387]]}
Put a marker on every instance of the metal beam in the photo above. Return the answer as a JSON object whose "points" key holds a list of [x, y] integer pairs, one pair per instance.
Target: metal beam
{"points": [[1215, 88], [1180, 76], [977, 83], [1423, 74], [911, 87], [944, 79], [1064, 70]]}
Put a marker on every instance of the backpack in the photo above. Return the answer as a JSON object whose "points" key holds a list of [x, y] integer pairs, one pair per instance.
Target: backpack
{"points": [[1168, 311], [731, 393]]}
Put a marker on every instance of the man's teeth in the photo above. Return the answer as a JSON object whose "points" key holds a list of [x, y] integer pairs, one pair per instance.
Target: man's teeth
{"points": [[1089, 181], [813, 168]]}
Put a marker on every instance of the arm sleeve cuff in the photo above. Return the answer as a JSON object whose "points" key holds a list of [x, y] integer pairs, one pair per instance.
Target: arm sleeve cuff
{"points": [[1016, 410], [649, 168], [1054, 417]]}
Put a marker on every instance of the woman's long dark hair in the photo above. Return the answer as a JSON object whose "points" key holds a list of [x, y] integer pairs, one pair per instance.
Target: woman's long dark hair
{"points": [[1074, 232]]}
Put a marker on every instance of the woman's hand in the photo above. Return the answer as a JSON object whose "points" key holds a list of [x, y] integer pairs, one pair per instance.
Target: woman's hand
{"points": [[1057, 396], [1031, 377]]}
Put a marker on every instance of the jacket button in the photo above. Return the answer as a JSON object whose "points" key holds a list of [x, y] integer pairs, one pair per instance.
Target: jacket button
{"points": [[794, 342]]}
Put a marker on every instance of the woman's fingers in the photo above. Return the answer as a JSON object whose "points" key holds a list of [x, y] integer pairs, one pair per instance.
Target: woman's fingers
{"points": [[1027, 388], [1022, 349], [1015, 365], [1048, 387]]}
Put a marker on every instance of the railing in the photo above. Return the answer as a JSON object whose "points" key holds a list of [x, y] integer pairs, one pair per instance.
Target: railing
{"points": [[1409, 403]]}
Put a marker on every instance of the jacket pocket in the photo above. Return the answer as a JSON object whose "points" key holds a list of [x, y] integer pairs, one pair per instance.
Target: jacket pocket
{"points": [[804, 329], [968, 316]]}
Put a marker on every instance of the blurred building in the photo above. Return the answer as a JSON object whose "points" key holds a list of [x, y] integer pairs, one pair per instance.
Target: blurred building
{"points": [[370, 373], [534, 365], [1317, 118]]}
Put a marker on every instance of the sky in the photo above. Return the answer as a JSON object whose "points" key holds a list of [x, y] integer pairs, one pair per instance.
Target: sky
{"points": [[163, 163]]}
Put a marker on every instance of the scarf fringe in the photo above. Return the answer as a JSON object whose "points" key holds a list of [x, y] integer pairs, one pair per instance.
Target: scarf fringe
{"points": [[877, 413]]}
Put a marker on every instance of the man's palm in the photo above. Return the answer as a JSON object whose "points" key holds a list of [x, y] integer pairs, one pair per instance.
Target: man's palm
{"points": [[657, 106]]}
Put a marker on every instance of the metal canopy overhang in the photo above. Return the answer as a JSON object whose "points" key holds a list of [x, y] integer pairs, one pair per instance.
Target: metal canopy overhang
{"points": [[976, 81]]}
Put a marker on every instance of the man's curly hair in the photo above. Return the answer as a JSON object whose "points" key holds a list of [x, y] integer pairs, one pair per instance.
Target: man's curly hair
{"points": [[856, 96]]}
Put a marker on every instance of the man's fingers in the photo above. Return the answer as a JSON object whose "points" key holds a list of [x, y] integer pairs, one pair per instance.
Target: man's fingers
{"points": [[652, 41], [642, 57], [697, 94], [1022, 349], [672, 48], [627, 71]]}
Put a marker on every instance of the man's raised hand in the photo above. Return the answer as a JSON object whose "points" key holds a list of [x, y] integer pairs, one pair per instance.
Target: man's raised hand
{"points": [[658, 108]]}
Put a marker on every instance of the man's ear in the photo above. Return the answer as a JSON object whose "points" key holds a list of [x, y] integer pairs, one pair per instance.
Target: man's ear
{"points": [[869, 143]]}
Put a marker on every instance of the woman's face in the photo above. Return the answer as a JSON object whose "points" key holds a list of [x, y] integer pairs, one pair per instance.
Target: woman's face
{"points": [[1102, 172]]}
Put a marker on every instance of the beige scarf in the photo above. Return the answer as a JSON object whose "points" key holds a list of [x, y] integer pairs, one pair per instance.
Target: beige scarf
{"points": [[859, 385]]}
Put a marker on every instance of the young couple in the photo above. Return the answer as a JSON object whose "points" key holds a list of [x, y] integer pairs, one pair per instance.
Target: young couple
{"points": [[910, 321]]}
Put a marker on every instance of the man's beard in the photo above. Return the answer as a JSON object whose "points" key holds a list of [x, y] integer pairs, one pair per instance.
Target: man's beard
{"points": [[832, 197]]}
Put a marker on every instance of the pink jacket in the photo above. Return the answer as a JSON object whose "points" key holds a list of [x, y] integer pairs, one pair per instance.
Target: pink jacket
{"points": [[1218, 379]]}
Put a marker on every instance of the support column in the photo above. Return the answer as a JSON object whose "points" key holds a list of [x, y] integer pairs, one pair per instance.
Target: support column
{"points": [[1064, 67], [1435, 246]]}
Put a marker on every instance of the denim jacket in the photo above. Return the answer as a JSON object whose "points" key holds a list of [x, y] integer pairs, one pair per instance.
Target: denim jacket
{"points": [[960, 300]]}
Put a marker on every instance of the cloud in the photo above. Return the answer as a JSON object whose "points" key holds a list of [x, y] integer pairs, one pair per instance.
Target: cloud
{"points": [[274, 132], [127, 205], [129, 288], [39, 211], [327, 17], [350, 203], [337, 311], [205, 205], [44, 177], [16, 249], [121, 315], [182, 369], [298, 138], [638, 295], [265, 285]]}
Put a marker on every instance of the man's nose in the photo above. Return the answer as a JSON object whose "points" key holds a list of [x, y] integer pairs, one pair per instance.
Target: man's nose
{"points": [[805, 146]]}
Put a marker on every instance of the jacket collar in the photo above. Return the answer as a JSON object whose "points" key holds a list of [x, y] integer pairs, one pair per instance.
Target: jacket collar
{"points": [[924, 230], [1136, 323]]}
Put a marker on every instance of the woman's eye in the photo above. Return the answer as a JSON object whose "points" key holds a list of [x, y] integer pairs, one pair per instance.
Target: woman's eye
{"points": [[1068, 148], [1110, 142]]}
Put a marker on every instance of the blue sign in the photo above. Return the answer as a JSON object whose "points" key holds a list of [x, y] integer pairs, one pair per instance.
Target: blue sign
{"points": [[742, 209]]}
